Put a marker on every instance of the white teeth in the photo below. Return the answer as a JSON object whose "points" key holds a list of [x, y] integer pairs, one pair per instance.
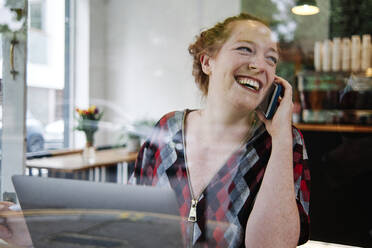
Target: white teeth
{"points": [[249, 82]]}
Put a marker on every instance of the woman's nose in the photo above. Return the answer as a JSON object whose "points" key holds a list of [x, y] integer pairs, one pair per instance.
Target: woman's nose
{"points": [[256, 68], [257, 64]]}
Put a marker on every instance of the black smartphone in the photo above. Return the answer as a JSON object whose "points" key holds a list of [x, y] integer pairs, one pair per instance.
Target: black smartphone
{"points": [[269, 105]]}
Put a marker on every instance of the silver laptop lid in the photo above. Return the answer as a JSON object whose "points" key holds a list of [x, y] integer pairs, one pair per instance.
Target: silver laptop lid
{"points": [[74, 213]]}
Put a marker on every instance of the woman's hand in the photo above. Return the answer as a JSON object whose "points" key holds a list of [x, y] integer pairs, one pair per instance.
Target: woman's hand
{"points": [[13, 228], [281, 123], [282, 223]]}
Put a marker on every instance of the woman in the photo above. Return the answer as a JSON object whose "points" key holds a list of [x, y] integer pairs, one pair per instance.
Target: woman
{"points": [[238, 182]]}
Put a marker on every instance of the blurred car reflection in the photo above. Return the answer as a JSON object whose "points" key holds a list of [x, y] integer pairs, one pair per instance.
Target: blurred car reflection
{"points": [[54, 135], [34, 129]]}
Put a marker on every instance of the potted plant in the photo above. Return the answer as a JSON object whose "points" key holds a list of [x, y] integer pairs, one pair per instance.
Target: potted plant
{"points": [[87, 120]]}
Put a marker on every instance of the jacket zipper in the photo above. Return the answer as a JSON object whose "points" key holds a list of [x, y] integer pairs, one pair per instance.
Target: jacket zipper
{"points": [[194, 201]]}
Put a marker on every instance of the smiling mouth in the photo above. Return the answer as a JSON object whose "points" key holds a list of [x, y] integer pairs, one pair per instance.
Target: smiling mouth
{"points": [[248, 83]]}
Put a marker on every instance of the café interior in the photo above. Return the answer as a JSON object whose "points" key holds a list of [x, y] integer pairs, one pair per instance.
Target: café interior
{"points": [[84, 81]]}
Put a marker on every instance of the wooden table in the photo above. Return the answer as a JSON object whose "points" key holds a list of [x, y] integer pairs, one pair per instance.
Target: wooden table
{"points": [[73, 162]]}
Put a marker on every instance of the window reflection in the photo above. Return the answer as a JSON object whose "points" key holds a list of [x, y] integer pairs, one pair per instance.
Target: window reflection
{"points": [[46, 71], [130, 60]]}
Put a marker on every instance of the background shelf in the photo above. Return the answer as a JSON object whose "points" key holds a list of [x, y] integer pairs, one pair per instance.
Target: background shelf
{"points": [[334, 128]]}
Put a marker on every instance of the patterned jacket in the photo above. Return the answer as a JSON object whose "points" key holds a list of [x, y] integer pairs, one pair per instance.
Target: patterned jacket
{"points": [[226, 203]]}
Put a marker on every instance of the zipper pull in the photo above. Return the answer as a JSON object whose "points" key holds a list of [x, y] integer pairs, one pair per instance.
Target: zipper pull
{"points": [[192, 214]]}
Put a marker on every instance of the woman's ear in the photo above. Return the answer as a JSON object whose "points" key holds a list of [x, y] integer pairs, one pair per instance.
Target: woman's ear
{"points": [[205, 63]]}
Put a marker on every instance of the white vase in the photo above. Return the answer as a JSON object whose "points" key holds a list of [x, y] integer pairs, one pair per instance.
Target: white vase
{"points": [[89, 154]]}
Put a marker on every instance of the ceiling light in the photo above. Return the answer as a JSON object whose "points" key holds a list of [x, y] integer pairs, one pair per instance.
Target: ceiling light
{"points": [[305, 7]]}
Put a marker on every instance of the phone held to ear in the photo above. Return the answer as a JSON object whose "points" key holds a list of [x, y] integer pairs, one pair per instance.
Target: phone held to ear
{"points": [[270, 103]]}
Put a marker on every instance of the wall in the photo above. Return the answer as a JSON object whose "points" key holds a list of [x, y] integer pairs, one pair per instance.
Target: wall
{"points": [[313, 28], [97, 63], [147, 65], [81, 63]]}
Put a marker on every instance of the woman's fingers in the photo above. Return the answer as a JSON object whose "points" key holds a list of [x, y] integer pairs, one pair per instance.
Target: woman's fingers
{"points": [[286, 85], [6, 204], [4, 232], [13, 228], [6, 215]]}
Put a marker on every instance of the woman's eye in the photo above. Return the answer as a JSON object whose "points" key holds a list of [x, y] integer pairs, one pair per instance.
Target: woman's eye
{"points": [[273, 59], [245, 49]]}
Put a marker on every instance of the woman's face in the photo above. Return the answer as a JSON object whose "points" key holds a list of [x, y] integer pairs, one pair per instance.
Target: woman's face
{"points": [[244, 68]]}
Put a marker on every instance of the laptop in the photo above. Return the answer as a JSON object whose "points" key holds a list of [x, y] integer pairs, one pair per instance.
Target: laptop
{"points": [[75, 213]]}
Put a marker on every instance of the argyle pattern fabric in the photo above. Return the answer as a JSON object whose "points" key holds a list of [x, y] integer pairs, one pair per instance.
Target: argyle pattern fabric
{"points": [[225, 205]]}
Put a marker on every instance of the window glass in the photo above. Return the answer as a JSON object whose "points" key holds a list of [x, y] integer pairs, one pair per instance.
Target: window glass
{"points": [[101, 73], [36, 15], [46, 75]]}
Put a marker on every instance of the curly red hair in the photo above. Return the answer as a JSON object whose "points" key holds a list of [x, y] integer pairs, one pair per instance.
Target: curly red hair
{"points": [[210, 42]]}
